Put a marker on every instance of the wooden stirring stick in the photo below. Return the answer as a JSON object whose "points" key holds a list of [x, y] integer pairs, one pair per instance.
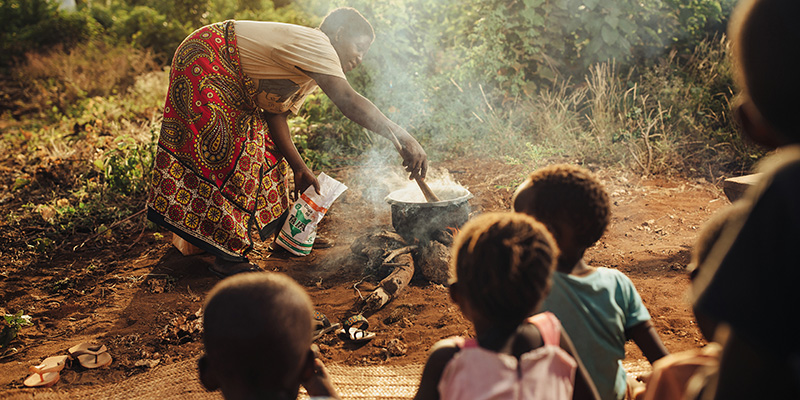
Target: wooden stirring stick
{"points": [[430, 197]]}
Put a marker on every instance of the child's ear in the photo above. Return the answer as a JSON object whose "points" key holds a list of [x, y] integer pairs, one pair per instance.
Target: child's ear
{"points": [[457, 297], [307, 371], [207, 377], [521, 197], [755, 127]]}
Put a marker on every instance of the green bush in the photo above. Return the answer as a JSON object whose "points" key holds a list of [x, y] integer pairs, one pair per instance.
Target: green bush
{"points": [[521, 45], [147, 28], [38, 26]]}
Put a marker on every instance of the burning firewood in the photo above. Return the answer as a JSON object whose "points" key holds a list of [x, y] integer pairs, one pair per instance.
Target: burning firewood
{"points": [[392, 284], [389, 257]]}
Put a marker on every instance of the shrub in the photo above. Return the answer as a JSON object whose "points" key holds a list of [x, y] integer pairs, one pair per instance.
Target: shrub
{"points": [[146, 28], [521, 45], [58, 82], [37, 26]]}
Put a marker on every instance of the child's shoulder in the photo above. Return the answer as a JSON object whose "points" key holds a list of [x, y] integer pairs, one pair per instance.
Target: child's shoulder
{"points": [[442, 352], [453, 342], [609, 275], [615, 281]]}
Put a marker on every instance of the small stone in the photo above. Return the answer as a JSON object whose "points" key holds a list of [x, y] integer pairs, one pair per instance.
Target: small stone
{"points": [[396, 348], [147, 363]]}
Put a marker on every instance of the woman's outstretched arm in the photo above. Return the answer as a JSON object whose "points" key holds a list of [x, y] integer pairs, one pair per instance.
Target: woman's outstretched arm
{"points": [[363, 112]]}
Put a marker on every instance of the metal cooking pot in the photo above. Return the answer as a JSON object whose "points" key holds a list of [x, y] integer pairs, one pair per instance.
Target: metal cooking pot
{"points": [[418, 219]]}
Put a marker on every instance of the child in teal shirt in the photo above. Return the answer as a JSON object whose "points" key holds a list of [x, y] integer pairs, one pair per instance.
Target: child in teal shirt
{"points": [[598, 307]]}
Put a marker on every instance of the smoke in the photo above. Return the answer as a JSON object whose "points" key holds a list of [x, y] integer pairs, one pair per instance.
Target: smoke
{"points": [[382, 174]]}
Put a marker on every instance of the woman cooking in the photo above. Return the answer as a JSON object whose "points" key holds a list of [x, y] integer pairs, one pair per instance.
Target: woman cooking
{"points": [[225, 144]]}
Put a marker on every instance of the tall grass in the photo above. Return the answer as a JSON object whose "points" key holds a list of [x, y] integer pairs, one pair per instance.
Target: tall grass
{"points": [[672, 117]]}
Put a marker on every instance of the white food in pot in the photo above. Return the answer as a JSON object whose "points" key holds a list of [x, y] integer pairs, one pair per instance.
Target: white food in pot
{"points": [[413, 194]]}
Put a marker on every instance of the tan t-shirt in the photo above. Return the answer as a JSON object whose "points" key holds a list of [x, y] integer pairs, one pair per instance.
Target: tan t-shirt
{"points": [[273, 54]]}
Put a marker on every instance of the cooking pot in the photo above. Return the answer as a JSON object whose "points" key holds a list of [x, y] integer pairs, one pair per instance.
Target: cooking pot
{"points": [[414, 218]]}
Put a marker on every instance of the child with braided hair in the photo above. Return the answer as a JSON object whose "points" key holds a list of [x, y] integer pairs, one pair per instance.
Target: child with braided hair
{"points": [[503, 263]]}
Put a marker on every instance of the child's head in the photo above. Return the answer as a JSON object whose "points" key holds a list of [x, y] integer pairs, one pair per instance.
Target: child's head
{"points": [[257, 337], [570, 202], [503, 263], [764, 35]]}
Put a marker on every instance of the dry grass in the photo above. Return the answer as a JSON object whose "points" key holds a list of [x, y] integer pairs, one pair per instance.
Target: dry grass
{"points": [[59, 80], [672, 117]]}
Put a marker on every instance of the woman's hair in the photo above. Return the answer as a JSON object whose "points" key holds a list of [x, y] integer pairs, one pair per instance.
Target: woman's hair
{"points": [[350, 19], [503, 263], [764, 37], [568, 195]]}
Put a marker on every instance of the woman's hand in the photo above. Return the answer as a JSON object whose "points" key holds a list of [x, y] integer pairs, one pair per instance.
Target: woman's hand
{"points": [[303, 178], [414, 157], [360, 110]]}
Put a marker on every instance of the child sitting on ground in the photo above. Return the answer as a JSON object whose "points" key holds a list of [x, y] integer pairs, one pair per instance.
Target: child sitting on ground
{"points": [[599, 307], [503, 264], [684, 375], [257, 337], [749, 280]]}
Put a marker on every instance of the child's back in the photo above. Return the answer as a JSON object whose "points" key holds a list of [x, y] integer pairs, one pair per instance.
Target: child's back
{"points": [[503, 263], [544, 371], [600, 307]]}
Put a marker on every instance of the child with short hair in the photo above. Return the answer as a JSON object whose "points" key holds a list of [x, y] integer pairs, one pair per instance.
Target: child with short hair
{"points": [[599, 307], [749, 280], [257, 337], [503, 263]]}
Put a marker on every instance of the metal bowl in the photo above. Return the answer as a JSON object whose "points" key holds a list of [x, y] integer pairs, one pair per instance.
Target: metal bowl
{"points": [[414, 218]]}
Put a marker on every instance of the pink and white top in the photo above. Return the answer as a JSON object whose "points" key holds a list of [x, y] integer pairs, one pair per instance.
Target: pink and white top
{"points": [[547, 372]]}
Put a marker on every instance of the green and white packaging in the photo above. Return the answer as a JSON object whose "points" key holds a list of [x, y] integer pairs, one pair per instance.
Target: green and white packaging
{"points": [[300, 229]]}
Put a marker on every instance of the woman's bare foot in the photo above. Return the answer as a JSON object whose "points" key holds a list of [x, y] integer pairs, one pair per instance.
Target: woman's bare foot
{"points": [[224, 268]]}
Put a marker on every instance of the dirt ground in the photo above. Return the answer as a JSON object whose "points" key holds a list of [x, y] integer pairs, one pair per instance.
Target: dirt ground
{"points": [[141, 297]]}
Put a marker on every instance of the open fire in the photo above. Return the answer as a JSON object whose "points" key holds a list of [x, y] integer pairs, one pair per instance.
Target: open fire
{"points": [[420, 242]]}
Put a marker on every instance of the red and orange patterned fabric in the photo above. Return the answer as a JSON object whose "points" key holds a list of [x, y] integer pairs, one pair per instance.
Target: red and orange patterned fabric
{"points": [[217, 173]]}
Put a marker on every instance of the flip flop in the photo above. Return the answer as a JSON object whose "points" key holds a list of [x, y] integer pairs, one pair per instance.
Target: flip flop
{"points": [[87, 348], [47, 373], [95, 360], [322, 325], [355, 329], [236, 269]]}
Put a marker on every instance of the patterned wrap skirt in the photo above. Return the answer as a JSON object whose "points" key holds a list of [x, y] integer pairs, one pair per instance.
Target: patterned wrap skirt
{"points": [[217, 175]]}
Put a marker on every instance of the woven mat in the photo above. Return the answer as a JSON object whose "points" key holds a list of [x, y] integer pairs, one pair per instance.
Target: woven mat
{"points": [[180, 381]]}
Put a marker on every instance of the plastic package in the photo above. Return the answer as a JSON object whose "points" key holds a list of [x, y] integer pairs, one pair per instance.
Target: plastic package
{"points": [[300, 229]]}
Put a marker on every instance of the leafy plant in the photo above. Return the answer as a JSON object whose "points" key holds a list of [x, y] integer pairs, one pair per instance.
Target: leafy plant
{"points": [[521, 45], [13, 324], [38, 26], [127, 165]]}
